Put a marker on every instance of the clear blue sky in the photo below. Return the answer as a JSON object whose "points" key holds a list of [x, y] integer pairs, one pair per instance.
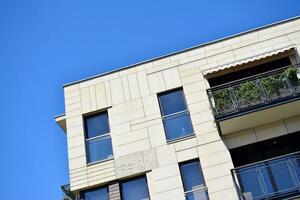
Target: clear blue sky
{"points": [[47, 43]]}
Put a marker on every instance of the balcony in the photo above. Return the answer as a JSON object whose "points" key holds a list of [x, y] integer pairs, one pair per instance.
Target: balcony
{"points": [[67, 194], [256, 100], [273, 179]]}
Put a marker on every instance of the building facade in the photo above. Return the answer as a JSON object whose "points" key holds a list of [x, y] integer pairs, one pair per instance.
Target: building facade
{"points": [[220, 121]]}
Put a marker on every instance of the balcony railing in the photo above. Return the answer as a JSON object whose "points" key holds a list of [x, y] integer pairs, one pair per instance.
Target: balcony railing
{"points": [[67, 194], [276, 178], [255, 92], [197, 194]]}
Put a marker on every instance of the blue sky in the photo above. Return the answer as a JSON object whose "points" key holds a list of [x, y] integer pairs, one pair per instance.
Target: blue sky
{"points": [[45, 44]]}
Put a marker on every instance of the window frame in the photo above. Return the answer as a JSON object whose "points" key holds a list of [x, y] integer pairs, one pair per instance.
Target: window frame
{"points": [[82, 193], [164, 117], [202, 188], [130, 179], [100, 137]]}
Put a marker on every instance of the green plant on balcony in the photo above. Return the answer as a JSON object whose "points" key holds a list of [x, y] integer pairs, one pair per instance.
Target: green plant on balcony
{"points": [[291, 74], [248, 93], [222, 100], [273, 84]]}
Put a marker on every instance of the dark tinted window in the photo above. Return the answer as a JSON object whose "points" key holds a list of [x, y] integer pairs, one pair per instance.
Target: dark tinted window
{"points": [[97, 194], [191, 175], [99, 149], [176, 117], [193, 181], [178, 126], [97, 125], [98, 140], [172, 102], [135, 189]]}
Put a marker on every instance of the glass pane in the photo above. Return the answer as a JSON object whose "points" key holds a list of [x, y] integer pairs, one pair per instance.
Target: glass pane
{"points": [[191, 174], [172, 102], [97, 125], [197, 195], [178, 126], [99, 194], [135, 189], [281, 175], [296, 166], [249, 180], [99, 149]]}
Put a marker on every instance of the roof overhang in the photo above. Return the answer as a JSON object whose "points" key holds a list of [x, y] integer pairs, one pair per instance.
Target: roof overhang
{"points": [[61, 121], [252, 59]]}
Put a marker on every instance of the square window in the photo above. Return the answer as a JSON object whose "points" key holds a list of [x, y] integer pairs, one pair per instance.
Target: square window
{"points": [[98, 140], [175, 114], [99, 149], [97, 125], [172, 102], [135, 189], [178, 126]]}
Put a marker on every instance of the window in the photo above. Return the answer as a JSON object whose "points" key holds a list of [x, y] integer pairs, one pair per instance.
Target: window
{"points": [[98, 141], [176, 117], [135, 189], [95, 194], [193, 181]]}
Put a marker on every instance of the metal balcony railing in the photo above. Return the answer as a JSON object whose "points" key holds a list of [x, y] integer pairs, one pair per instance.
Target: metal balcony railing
{"points": [[200, 193], [255, 92], [277, 178], [67, 194]]}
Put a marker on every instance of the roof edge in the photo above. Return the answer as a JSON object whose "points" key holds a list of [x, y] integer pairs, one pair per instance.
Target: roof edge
{"points": [[182, 51]]}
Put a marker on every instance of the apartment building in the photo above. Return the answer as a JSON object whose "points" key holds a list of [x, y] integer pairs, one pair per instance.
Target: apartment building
{"points": [[219, 121]]}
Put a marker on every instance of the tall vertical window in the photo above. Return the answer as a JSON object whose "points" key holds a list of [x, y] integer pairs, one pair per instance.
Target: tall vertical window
{"points": [[98, 140], [135, 189], [95, 194], [175, 114], [193, 181]]}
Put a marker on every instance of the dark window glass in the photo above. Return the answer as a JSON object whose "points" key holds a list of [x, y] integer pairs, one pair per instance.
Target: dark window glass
{"points": [[98, 194], [97, 125], [135, 189], [172, 102], [98, 140], [193, 181], [99, 149], [178, 126], [176, 117]]}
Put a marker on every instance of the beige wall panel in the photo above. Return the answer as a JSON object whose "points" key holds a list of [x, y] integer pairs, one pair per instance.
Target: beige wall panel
{"points": [[143, 83], [172, 78], [85, 100], [187, 154], [166, 155], [117, 91], [133, 86], [100, 96], [157, 135], [270, 131], [156, 82]]}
